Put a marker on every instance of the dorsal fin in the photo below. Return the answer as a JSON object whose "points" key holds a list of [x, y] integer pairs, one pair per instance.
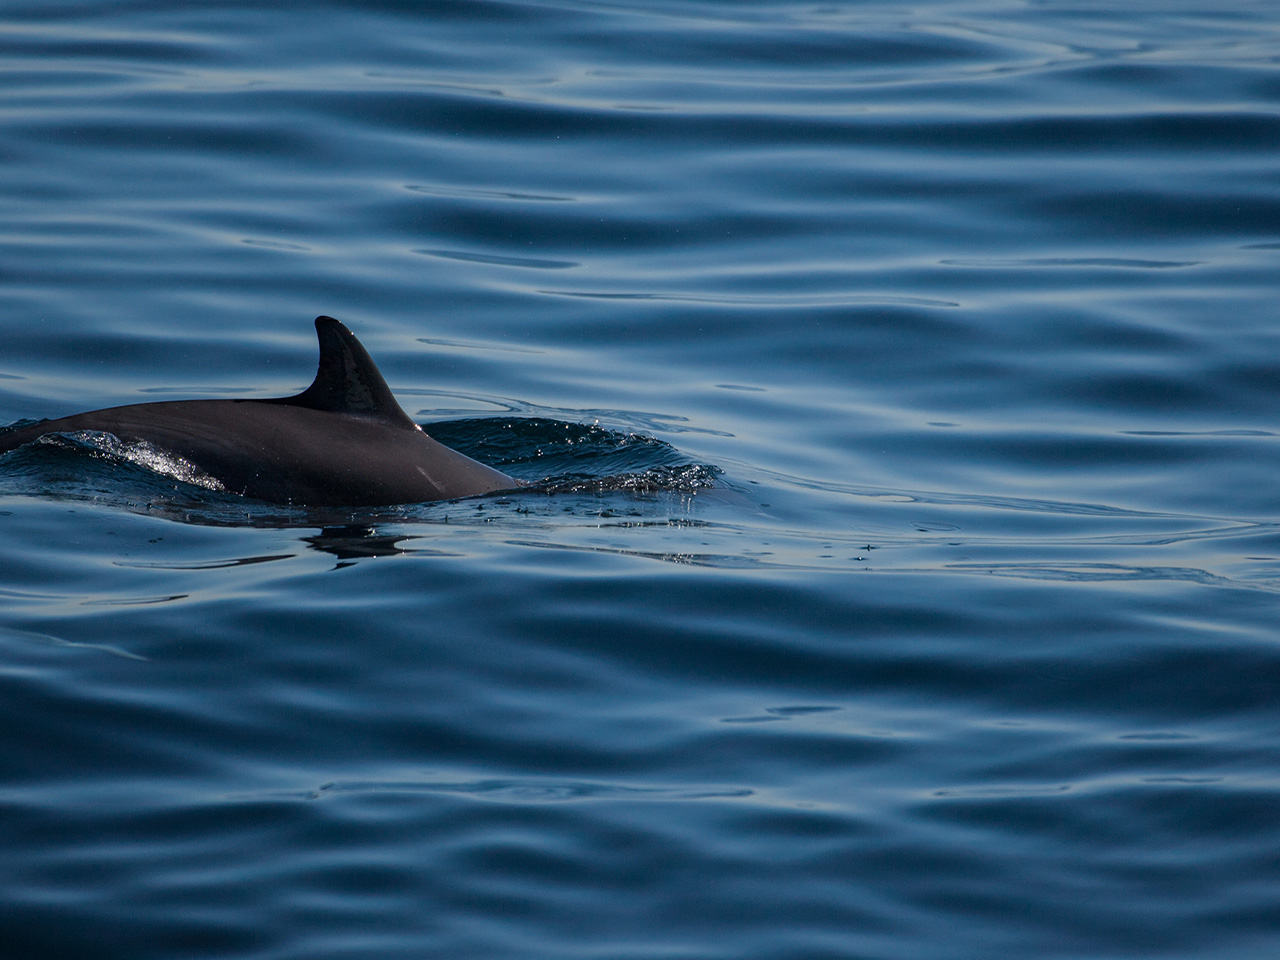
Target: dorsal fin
{"points": [[347, 380]]}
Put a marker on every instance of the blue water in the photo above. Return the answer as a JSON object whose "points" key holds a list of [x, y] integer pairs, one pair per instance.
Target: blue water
{"points": [[906, 381]]}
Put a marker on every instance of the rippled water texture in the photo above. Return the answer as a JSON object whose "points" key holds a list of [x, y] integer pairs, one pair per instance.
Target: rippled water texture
{"points": [[901, 386]]}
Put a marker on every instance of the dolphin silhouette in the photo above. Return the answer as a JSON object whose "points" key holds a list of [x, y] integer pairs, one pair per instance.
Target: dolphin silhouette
{"points": [[344, 441]]}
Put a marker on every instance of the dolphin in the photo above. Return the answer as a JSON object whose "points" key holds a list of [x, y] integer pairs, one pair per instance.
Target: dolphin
{"points": [[342, 442]]}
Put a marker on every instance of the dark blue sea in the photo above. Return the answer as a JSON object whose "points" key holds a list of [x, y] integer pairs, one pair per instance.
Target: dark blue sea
{"points": [[899, 386]]}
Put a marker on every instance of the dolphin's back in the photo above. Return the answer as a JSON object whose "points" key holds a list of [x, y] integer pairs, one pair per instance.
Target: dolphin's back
{"points": [[342, 442]]}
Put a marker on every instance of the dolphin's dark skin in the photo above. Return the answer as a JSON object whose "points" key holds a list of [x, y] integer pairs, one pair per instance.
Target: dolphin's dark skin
{"points": [[344, 441]]}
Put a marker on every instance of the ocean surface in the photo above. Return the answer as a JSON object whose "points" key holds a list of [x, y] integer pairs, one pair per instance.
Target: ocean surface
{"points": [[900, 386]]}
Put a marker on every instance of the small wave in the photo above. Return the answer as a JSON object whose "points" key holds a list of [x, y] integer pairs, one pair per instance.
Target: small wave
{"points": [[534, 789], [762, 300], [686, 479], [1121, 262], [476, 345], [537, 448], [276, 245], [478, 194], [501, 261]]}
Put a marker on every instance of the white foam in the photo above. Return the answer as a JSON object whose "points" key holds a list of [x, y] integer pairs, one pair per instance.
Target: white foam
{"points": [[149, 456]]}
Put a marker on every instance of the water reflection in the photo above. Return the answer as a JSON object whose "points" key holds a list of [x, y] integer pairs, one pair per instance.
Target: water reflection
{"points": [[354, 542]]}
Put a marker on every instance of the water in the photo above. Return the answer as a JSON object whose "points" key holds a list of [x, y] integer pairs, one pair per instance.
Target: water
{"points": [[906, 377]]}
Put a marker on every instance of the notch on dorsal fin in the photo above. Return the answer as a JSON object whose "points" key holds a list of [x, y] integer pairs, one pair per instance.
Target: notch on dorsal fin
{"points": [[347, 380]]}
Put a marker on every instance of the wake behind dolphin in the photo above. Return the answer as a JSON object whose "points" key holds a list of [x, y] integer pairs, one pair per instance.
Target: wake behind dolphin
{"points": [[342, 442]]}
